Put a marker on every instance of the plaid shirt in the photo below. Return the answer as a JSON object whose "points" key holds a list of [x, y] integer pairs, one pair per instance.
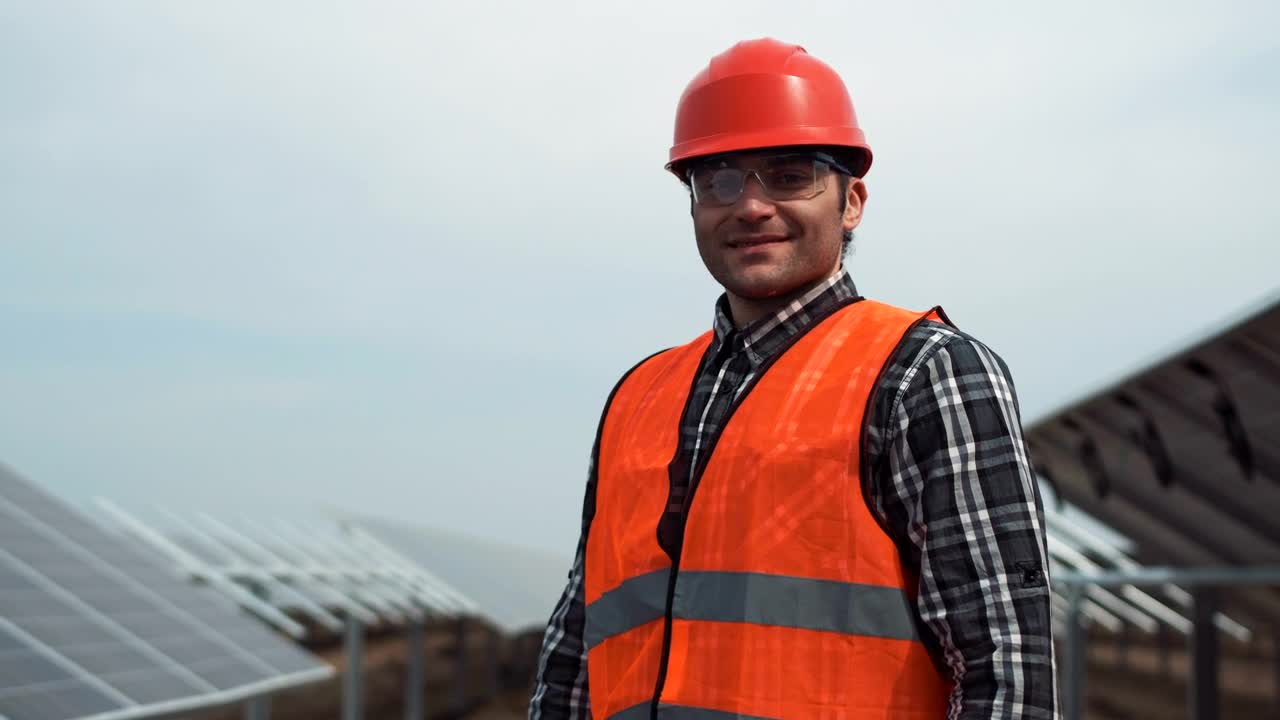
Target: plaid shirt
{"points": [[949, 479]]}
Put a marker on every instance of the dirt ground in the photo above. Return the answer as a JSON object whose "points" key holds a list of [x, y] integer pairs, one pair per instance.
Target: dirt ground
{"points": [[512, 705], [472, 673]]}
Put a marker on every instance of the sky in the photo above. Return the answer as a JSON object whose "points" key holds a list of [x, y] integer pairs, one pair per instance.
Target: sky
{"points": [[275, 260]]}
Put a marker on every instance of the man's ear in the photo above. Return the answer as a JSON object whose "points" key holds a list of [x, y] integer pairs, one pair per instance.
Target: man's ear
{"points": [[855, 201]]}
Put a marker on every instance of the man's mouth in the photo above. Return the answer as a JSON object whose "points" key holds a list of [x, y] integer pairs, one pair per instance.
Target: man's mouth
{"points": [[750, 241]]}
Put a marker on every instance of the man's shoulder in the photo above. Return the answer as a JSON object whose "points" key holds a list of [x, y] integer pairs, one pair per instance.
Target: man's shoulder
{"points": [[698, 345], [932, 355], [946, 350]]}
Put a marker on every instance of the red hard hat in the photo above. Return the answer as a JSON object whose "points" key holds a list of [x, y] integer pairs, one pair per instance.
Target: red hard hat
{"points": [[766, 93]]}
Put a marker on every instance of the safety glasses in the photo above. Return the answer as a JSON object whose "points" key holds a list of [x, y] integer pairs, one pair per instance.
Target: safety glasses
{"points": [[718, 182]]}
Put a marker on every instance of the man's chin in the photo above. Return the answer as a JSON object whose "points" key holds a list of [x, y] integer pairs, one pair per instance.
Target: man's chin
{"points": [[769, 286], [761, 289]]}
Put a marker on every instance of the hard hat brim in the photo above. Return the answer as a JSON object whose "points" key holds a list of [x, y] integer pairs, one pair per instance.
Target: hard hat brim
{"points": [[846, 138]]}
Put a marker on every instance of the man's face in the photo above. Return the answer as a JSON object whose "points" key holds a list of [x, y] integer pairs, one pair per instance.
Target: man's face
{"points": [[760, 247]]}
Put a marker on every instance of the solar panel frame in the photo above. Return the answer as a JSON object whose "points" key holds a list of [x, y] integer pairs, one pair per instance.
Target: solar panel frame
{"points": [[103, 631]]}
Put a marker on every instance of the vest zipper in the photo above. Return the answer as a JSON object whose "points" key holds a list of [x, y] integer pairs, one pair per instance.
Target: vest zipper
{"points": [[695, 481], [668, 617], [666, 639]]}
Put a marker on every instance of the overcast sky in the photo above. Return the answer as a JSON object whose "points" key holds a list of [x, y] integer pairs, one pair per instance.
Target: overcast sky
{"points": [[259, 258]]}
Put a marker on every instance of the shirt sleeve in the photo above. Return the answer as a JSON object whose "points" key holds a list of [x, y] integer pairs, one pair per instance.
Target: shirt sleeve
{"points": [[560, 686], [955, 489]]}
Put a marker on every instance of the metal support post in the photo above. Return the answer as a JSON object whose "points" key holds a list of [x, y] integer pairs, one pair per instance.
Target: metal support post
{"points": [[353, 679], [258, 708], [1275, 668], [415, 678], [1165, 648], [495, 663], [1122, 648], [1202, 697], [460, 683], [1074, 701]]}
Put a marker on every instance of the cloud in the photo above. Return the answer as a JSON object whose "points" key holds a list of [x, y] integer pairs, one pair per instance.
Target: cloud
{"points": [[409, 247]]}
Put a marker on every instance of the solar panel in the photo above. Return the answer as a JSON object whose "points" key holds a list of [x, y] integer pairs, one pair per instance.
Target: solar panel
{"points": [[91, 627]]}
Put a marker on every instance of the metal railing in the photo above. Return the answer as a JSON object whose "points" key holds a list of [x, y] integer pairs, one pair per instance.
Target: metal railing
{"points": [[1205, 584]]}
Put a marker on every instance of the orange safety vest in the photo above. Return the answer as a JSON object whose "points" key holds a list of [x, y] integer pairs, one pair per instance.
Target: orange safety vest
{"points": [[788, 599]]}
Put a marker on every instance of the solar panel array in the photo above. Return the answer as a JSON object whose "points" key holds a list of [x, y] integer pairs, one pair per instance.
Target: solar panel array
{"points": [[93, 627]]}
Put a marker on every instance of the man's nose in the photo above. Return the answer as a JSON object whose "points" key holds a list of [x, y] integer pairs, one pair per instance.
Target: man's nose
{"points": [[753, 204]]}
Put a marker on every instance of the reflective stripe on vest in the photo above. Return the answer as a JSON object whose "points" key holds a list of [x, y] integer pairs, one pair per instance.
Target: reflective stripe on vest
{"points": [[680, 712], [795, 602], [788, 599]]}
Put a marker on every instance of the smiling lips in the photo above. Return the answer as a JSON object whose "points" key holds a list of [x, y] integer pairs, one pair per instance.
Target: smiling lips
{"points": [[751, 241]]}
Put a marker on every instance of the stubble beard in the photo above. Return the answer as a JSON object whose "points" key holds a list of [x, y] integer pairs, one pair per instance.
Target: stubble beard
{"points": [[783, 279]]}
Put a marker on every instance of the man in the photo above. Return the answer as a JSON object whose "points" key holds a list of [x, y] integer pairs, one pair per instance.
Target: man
{"points": [[823, 507]]}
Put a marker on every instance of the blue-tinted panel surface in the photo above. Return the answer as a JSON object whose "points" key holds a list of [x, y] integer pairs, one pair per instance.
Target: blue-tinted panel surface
{"points": [[153, 685], [89, 624], [228, 674], [32, 685], [60, 702], [21, 666], [289, 660]]}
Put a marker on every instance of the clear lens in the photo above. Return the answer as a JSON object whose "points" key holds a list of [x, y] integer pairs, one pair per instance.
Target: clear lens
{"points": [[784, 177]]}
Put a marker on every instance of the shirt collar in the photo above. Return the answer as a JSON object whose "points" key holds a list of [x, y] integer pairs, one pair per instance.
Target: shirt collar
{"points": [[765, 337]]}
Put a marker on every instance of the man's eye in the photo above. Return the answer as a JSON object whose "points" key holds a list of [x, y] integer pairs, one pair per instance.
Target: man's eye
{"points": [[791, 179], [726, 179]]}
